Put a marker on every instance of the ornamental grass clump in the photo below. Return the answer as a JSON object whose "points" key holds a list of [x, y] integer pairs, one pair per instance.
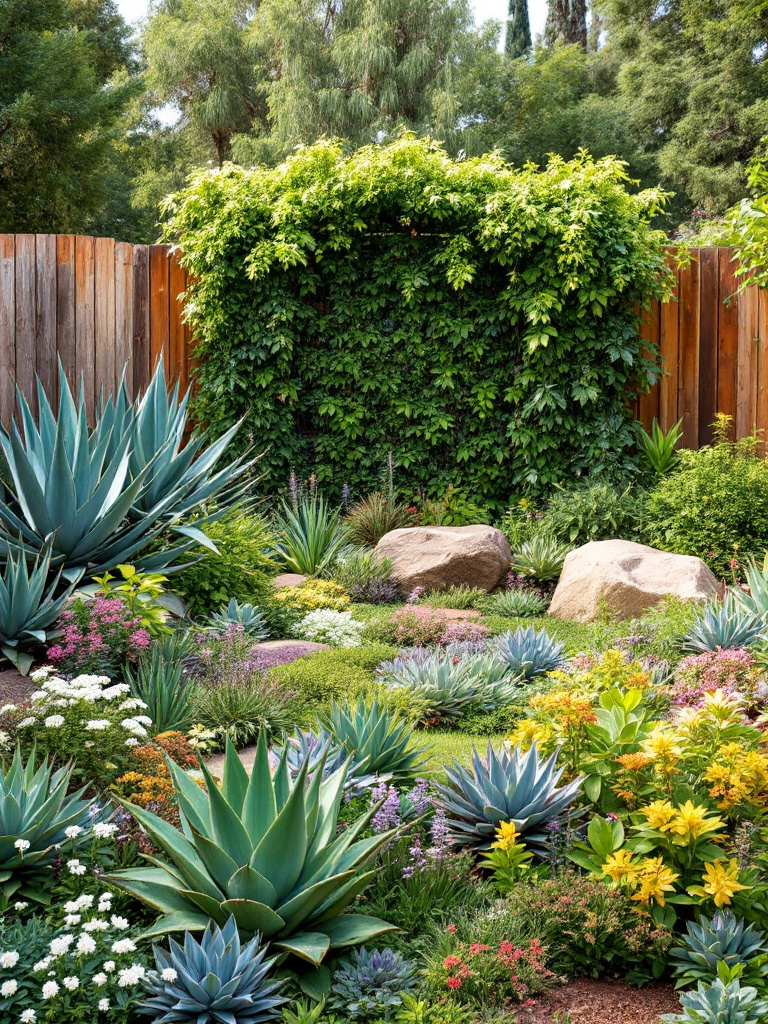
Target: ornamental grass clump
{"points": [[265, 849]]}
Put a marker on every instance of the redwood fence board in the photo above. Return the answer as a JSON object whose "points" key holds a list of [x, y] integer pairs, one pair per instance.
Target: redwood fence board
{"points": [[103, 308]]}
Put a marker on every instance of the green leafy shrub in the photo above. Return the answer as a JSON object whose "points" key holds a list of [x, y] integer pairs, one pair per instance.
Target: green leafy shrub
{"points": [[332, 675], [243, 710], [540, 558], [366, 577], [512, 291], [660, 632], [454, 508], [239, 571], [715, 505], [596, 511]]}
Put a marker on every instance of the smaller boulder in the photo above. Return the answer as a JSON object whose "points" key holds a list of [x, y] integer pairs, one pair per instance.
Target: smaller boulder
{"points": [[438, 557], [289, 579], [628, 578]]}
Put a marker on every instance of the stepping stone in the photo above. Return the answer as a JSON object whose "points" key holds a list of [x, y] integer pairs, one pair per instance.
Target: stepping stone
{"points": [[289, 579], [247, 755]]}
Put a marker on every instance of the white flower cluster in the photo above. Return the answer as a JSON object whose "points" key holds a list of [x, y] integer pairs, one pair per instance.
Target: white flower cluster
{"points": [[324, 626], [65, 967], [62, 693]]}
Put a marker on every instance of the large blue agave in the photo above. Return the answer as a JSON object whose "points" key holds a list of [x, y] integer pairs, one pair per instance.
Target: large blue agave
{"points": [[214, 981]]}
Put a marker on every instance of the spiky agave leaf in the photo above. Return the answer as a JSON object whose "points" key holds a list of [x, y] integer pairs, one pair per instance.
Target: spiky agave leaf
{"points": [[27, 608], [35, 809], [249, 616], [718, 1003], [722, 938], [264, 850], [528, 653], [375, 737], [724, 626], [511, 786], [215, 979]]}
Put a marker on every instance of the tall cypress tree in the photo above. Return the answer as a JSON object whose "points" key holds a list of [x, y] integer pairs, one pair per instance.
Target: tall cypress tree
{"points": [[518, 38], [566, 22]]}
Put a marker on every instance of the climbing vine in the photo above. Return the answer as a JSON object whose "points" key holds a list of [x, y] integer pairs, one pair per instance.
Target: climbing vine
{"points": [[478, 321]]}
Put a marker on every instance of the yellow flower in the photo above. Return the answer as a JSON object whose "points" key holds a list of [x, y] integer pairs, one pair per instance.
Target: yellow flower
{"points": [[527, 731], [619, 865], [635, 762], [721, 882], [655, 880], [506, 836], [662, 746], [658, 814], [690, 823]]}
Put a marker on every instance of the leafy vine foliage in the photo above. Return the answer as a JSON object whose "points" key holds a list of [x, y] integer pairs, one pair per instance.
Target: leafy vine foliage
{"points": [[480, 322]]}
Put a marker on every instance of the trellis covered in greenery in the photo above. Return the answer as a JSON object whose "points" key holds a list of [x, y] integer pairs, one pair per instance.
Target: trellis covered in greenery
{"points": [[478, 321]]}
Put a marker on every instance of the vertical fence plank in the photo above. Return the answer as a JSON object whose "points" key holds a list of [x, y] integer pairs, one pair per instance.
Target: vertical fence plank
{"points": [[709, 284], [687, 385], [25, 316], [159, 308], [746, 382], [761, 415], [45, 316], [140, 319], [124, 314], [177, 334], [105, 362], [648, 404], [66, 339], [7, 326], [85, 326], [728, 335], [670, 356]]}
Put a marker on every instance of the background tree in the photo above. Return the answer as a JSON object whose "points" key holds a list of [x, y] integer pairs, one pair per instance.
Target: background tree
{"points": [[203, 59], [517, 41], [64, 90], [566, 22]]}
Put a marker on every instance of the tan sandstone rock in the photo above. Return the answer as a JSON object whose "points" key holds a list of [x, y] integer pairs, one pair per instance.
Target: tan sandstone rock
{"points": [[438, 557], [627, 577]]}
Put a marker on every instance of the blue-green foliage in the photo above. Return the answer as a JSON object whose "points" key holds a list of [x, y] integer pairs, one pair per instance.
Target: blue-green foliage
{"points": [[371, 984], [250, 617], [721, 939], [720, 1004], [508, 786], [477, 321], [214, 980], [724, 625], [529, 654]]}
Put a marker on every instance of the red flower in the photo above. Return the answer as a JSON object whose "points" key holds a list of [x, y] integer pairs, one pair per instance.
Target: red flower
{"points": [[454, 983], [451, 928], [478, 947], [452, 961]]}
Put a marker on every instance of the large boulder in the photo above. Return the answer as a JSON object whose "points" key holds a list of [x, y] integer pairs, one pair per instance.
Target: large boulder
{"points": [[628, 578], [438, 557]]}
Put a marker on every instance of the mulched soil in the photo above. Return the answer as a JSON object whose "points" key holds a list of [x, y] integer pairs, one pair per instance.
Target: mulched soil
{"points": [[15, 688], [603, 1002]]}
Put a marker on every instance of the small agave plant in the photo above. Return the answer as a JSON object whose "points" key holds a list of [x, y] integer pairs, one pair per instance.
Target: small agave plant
{"points": [[721, 939], [719, 1003], [529, 654], [321, 752], [36, 809], [371, 984], [249, 616], [725, 626], [265, 850], [378, 740], [509, 786], [215, 980]]}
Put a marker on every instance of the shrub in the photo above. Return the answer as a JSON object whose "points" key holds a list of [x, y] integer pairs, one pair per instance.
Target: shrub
{"points": [[314, 594], [409, 626], [337, 629], [539, 363], [245, 709], [660, 632], [98, 637], [332, 675], [455, 597], [240, 570], [86, 720], [732, 671], [715, 505], [148, 783], [454, 508], [465, 635], [520, 522], [587, 928], [367, 577], [372, 517], [597, 511]]}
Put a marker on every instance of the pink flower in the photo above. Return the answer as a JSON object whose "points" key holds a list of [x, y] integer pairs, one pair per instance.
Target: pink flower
{"points": [[454, 982]]}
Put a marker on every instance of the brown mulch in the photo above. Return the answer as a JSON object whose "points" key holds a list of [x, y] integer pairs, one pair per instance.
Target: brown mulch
{"points": [[603, 1002], [15, 688]]}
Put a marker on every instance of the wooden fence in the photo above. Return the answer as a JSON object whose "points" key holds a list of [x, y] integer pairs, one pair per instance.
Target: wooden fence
{"points": [[93, 303], [99, 305]]}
